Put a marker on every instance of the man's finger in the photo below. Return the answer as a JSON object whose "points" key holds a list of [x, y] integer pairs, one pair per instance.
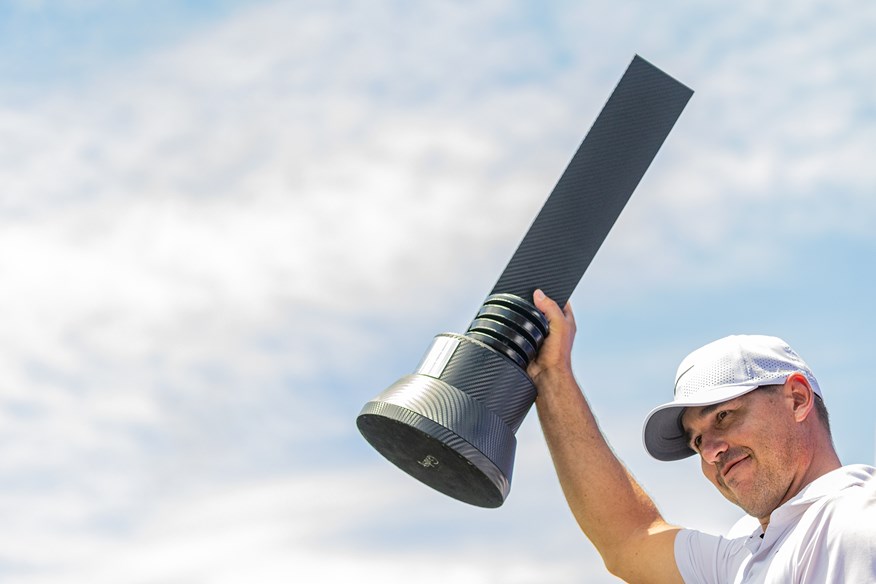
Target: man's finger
{"points": [[546, 304]]}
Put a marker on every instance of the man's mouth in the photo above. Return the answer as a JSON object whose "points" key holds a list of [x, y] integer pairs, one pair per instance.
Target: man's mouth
{"points": [[725, 470]]}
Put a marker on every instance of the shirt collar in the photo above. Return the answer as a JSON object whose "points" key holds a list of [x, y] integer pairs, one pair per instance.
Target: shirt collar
{"points": [[827, 484], [832, 482]]}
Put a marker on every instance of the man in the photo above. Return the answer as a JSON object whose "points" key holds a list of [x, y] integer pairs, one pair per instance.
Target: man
{"points": [[749, 407]]}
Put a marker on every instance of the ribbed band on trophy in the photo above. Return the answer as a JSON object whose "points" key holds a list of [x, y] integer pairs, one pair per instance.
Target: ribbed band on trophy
{"points": [[452, 422]]}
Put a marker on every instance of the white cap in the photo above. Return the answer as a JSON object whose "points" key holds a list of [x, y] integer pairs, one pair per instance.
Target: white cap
{"points": [[718, 372]]}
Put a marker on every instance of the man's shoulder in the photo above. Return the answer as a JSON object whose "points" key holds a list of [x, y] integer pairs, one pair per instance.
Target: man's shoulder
{"points": [[849, 511], [857, 487], [840, 537]]}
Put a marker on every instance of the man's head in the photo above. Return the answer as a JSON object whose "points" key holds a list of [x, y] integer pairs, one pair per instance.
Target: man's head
{"points": [[751, 408]]}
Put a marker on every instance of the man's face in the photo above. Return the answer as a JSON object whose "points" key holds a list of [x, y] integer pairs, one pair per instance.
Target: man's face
{"points": [[747, 448]]}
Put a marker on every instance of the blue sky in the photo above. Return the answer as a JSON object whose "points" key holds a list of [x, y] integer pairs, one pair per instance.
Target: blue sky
{"points": [[225, 226]]}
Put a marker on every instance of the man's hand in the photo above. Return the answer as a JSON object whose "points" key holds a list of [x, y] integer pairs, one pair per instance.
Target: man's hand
{"points": [[556, 351]]}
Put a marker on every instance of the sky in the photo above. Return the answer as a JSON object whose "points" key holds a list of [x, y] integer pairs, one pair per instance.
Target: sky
{"points": [[225, 226]]}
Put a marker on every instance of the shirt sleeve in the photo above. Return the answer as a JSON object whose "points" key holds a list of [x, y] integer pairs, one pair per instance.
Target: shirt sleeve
{"points": [[708, 559]]}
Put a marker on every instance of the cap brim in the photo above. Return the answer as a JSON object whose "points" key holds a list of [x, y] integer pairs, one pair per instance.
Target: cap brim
{"points": [[663, 434]]}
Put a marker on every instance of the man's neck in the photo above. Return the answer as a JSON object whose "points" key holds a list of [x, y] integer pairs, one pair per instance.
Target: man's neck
{"points": [[820, 464]]}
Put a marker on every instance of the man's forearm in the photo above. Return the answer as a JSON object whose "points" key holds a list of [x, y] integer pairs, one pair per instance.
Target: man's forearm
{"points": [[610, 507]]}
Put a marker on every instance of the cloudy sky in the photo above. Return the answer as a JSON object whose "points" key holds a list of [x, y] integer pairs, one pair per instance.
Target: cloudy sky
{"points": [[226, 225]]}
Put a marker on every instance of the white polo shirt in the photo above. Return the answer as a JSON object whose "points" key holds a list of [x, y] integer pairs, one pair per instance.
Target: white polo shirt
{"points": [[825, 534]]}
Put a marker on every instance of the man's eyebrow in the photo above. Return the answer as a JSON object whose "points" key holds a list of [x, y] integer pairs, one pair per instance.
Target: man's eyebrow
{"points": [[702, 413], [708, 410]]}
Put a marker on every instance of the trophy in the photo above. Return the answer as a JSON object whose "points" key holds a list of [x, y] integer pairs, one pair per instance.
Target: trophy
{"points": [[452, 422]]}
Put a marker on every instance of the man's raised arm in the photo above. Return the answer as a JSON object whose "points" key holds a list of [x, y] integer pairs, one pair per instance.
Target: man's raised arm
{"points": [[614, 512]]}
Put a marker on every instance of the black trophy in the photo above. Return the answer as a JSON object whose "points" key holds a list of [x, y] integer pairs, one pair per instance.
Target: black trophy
{"points": [[451, 423]]}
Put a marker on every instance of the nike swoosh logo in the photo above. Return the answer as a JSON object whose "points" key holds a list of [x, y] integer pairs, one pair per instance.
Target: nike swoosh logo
{"points": [[683, 373]]}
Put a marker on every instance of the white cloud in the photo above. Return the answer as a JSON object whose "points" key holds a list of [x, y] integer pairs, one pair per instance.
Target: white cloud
{"points": [[280, 529], [193, 244]]}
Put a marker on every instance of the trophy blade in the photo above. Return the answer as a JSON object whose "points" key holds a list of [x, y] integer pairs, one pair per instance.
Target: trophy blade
{"points": [[596, 185]]}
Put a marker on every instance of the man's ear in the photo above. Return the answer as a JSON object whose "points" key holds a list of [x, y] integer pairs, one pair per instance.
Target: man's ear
{"points": [[801, 394]]}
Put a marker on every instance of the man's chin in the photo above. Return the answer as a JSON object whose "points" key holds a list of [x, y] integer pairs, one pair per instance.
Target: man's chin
{"points": [[729, 495]]}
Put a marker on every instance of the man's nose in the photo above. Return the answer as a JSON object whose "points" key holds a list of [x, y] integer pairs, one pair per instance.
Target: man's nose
{"points": [[712, 448]]}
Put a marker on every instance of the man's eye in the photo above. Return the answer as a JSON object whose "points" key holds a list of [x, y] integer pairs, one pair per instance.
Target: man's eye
{"points": [[721, 416], [697, 441]]}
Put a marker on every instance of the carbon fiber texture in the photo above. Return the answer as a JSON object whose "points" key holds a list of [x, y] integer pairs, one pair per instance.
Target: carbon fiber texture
{"points": [[596, 185], [433, 454], [491, 379], [454, 410]]}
